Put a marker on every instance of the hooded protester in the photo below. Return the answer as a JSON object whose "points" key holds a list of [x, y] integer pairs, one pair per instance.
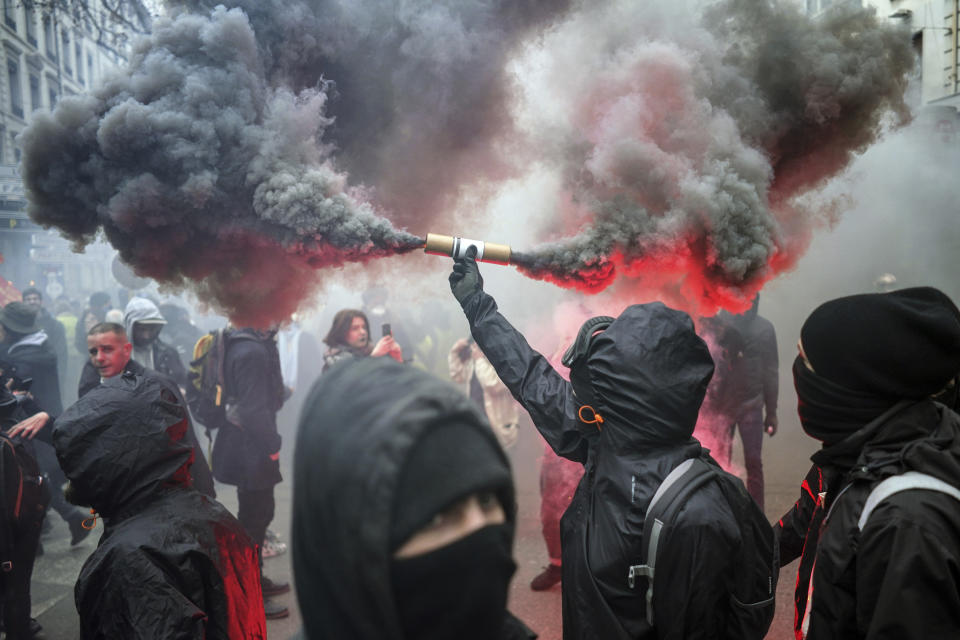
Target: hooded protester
{"points": [[30, 351], [171, 563], [56, 332], [747, 398], [627, 414], [403, 523], [871, 375], [349, 337]]}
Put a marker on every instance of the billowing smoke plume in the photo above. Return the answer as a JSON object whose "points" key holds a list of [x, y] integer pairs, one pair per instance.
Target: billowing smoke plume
{"points": [[686, 144], [247, 145]]}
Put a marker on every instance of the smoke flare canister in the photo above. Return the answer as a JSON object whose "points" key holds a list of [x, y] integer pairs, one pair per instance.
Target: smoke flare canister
{"points": [[456, 247]]}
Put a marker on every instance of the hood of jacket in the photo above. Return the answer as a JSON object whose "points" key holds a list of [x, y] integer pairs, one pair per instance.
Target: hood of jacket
{"points": [[358, 426], [124, 441], [141, 310], [650, 371]]}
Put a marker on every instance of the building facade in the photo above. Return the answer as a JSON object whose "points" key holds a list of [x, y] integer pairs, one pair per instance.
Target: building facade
{"points": [[51, 49]]}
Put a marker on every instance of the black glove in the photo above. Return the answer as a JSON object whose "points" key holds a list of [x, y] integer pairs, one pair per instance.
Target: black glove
{"points": [[466, 279]]}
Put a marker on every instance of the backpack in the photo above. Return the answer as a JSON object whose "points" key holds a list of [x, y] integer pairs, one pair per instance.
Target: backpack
{"points": [[20, 494], [206, 393], [758, 557]]}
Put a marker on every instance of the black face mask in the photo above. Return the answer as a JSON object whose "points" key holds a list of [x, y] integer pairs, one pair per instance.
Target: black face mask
{"points": [[458, 591], [832, 413]]}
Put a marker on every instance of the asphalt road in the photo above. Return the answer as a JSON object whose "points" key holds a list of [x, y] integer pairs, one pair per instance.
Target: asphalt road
{"points": [[58, 568]]}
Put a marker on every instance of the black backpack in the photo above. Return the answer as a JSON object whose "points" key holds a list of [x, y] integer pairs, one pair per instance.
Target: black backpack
{"points": [[206, 393], [21, 493], [758, 559]]}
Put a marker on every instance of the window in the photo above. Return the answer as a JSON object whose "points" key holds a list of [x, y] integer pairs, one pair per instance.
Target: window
{"points": [[35, 99], [16, 97], [65, 36], [89, 67], [31, 20], [49, 38], [10, 13], [17, 153], [53, 98], [79, 59]]}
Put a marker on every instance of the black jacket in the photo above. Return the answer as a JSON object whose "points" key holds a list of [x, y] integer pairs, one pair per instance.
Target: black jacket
{"points": [[254, 394], [755, 379], [39, 361], [348, 459], [900, 577], [202, 478], [171, 562], [649, 383]]}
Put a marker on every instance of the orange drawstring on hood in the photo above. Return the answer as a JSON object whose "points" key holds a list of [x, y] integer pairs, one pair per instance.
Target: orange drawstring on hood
{"points": [[597, 418]]}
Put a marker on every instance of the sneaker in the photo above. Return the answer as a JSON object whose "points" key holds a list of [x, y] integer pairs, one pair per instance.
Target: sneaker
{"points": [[271, 588], [272, 548], [273, 610], [547, 578], [272, 536]]}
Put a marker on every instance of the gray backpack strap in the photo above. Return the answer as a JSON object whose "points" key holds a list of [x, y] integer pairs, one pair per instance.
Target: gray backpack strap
{"points": [[903, 482], [685, 478]]}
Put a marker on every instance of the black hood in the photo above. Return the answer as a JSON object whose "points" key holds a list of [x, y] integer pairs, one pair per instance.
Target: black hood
{"points": [[650, 371], [124, 441], [358, 426]]}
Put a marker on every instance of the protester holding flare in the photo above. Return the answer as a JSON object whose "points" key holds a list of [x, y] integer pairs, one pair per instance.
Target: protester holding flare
{"points": [[627, 414]]}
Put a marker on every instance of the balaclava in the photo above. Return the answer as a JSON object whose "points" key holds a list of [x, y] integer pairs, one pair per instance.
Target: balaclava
{"points": [[434, 598], [870, 351]]}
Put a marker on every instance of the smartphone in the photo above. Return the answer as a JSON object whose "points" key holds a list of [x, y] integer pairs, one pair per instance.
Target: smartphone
{"points": [[387, 331]]}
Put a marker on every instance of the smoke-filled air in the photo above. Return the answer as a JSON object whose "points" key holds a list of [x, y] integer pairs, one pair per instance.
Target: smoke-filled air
{"points": [[250, 147]]}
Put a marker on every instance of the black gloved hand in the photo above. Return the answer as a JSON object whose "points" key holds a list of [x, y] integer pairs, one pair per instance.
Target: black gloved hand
{"points": [[466, 279]]}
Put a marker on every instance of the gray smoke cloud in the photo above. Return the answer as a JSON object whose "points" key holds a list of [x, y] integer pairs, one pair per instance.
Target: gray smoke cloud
{"points": [[251, 143], [689, 135], [247, 145]]}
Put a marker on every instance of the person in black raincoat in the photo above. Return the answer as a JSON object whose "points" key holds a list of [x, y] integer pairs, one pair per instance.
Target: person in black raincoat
{"points": [[403, 511], [171, 563], [246, 453], [640, 385], [867, 370]]}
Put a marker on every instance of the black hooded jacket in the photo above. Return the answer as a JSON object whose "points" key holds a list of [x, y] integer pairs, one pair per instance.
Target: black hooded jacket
{"points": [[649, 373], [349, 455], [899, 577], [171, 563], [37, 359]]}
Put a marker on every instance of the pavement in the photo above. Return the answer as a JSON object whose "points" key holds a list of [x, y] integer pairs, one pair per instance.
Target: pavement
{"points": [[57, 570]]}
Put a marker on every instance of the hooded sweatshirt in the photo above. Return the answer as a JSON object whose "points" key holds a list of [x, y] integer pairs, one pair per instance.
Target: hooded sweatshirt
{"points": [[171, 562], [361, 423], [144, 311], [649, 371]]}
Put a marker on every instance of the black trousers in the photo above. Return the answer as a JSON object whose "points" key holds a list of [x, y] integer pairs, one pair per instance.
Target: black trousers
{"points": [[15, 584], [255, 512]]}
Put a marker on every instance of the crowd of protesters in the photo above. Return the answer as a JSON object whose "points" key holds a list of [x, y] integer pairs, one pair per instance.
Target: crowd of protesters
{"points": [[404, 508]]}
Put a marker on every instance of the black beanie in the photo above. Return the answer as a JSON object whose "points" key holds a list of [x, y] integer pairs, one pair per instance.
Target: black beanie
{"points": [[450, 462], [902, 344]]}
